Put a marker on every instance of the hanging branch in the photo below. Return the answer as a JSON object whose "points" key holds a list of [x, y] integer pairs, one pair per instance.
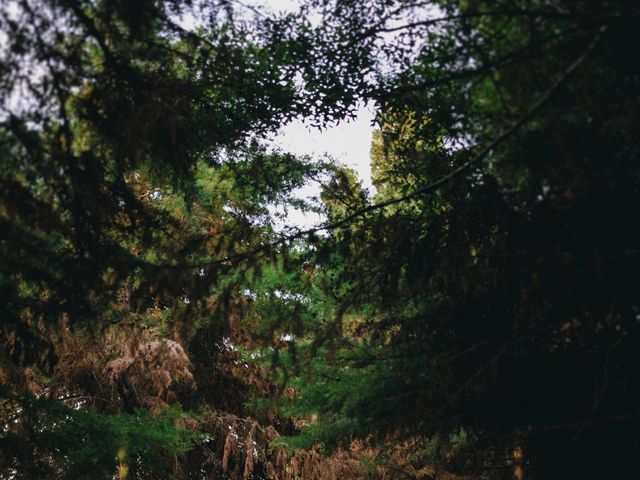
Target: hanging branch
{"points": [[568, 72], [433, 186]]}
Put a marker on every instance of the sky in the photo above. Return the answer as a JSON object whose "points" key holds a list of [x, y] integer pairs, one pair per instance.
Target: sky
{"points": [[349, 142]]}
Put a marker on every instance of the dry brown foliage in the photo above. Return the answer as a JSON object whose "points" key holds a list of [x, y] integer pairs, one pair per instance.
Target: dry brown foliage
{"points": [[153, 374], [238, 448], [120, 371]]}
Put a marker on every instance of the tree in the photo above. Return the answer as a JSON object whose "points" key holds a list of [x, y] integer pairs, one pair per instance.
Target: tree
{"points": [[135, 201], [476, 314], [490, 291]]}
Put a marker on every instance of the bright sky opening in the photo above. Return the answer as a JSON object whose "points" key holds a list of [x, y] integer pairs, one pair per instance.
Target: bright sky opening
{"points": [[349, 142]]}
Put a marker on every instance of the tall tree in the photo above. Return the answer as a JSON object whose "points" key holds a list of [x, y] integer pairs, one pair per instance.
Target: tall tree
{"points": [[488, 302], [477, 313], [135, 195]]}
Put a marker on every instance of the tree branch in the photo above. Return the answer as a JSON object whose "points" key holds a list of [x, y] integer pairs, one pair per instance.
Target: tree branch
{"points": [[568, 72], [433, 186]]}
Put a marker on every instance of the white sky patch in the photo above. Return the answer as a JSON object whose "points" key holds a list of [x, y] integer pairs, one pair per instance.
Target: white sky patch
{"points": [[275, 6], [349, 143]]}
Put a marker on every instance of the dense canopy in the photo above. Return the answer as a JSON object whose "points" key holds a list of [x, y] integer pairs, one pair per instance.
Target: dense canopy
{"points": [[476, 315]]}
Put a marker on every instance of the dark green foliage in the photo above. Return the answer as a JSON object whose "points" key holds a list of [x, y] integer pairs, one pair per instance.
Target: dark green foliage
{"points": [[481, 305], [503, 301], [61, 442], [133, 179]]}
